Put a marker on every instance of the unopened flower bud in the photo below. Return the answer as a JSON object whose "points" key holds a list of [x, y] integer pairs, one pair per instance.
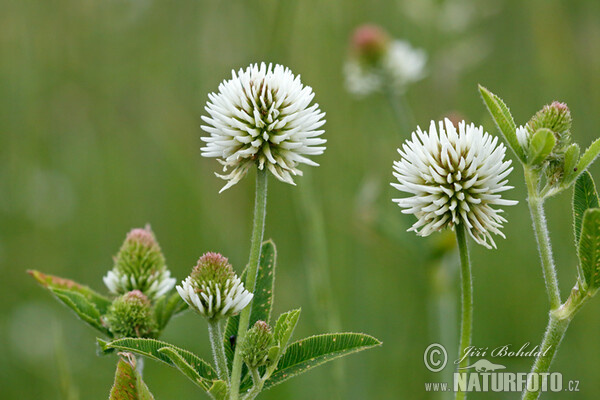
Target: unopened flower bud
{"points": [[557, 118], [131, 315], [256, 345], [370, 43], [213, 289], [140, 265]]}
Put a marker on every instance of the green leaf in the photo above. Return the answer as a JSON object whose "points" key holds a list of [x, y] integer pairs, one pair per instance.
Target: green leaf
{"points": [[308, 353], [184, 367], [542, 143], [84, 309], [284, 328], [570, 164], [128, 383], [504, 121], [589, 156], [150, 348], [54, 282], [262, 303], [218, 390], [584, 197], [166, 307], [589, 248]]}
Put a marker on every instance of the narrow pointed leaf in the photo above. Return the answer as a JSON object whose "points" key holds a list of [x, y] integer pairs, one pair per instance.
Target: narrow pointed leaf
{"points": [[504, 121], [584, 197], [542, 143], [284, 328], [308, 353], [150, 348], [184, 367], [128, 383], [54, 282], [570, 166], [589, 156], [262, 303], [589, 248], [84, 309]]}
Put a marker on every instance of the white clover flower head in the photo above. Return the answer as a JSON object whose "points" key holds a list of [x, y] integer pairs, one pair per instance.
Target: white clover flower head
{"points": [[213, 289], [523, 137], [399, 66], [454, 177], [140, 265], [263, 116]]}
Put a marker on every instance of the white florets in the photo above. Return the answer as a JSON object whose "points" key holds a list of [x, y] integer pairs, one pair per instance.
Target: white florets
{"points": [[400, 66], [214, 300], [263, 116], [154, 286], [454, 178]]}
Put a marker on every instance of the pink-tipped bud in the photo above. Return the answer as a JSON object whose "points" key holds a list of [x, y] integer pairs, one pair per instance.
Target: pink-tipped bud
{"points": [[370, 42]]}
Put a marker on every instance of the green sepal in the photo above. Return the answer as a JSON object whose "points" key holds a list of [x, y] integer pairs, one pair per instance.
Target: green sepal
{"points": [[504, 121], [128, 383], [311, 352], [541, 145], [585, 196], [589, 249]]}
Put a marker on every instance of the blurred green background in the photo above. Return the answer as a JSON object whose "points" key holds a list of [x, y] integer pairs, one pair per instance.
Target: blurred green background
{"points": [[100, 105]]}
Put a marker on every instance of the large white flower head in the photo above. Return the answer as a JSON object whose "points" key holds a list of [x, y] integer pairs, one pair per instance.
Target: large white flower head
{"points": [[140, 265], [377, 62], [262, 115], [454, 177], [213, 289]]}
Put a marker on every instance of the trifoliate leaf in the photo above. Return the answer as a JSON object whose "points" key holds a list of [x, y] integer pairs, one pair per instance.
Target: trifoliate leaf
{"points": [[284, 328]]}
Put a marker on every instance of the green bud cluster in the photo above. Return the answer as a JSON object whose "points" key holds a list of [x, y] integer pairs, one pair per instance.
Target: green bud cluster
{"points": [[131, 315], [256, 345]]}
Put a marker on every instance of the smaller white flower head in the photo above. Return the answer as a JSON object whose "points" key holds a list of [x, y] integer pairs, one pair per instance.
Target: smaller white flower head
{"points": [[523, 137], [262, 115], [140, 265], [399, 66], [454, 177], [213, 289]]}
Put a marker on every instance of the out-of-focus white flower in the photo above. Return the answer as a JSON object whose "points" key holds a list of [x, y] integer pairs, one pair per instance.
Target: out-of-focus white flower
{"points": [[377, 62], [213, 289], [454, 177], [140, 265], [263, 116]]}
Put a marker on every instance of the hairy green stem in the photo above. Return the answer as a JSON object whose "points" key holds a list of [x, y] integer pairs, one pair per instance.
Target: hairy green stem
{"points": [[466, 325], [536, 208], [557, 327], [260, 211], [216, 344], [258, 383]]}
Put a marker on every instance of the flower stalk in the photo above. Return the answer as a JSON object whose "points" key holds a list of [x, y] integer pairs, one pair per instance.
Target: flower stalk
{"points": [[260, 211], [466, 324], [536, 208], [216, 344]]}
